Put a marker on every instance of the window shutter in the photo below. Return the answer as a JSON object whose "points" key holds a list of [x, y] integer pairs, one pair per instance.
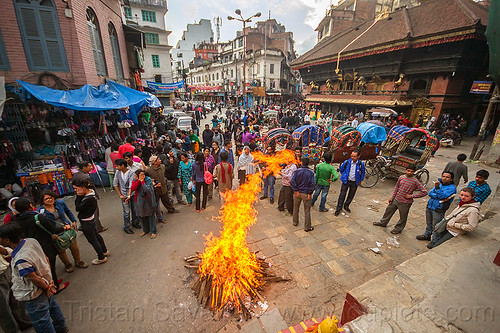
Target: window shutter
{"points": [[4, 60], [40, 32], [53, 42], [116, 57], [35, 48]]}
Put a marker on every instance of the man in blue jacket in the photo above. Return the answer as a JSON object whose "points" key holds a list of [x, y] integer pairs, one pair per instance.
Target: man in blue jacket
{"points": [[352, 174], [303, 183], [441, 197]]}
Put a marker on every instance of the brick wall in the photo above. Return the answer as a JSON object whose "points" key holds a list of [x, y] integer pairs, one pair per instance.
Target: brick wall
{"points": [[17, 57], [76, 43], [106, 11]]}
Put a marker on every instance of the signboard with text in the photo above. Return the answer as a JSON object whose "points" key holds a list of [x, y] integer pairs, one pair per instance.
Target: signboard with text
{"points": [[481, 87]]}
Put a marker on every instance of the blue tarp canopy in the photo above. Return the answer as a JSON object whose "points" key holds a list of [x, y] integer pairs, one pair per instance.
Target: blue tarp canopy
{"points": [[372, 133], [109, 96]]}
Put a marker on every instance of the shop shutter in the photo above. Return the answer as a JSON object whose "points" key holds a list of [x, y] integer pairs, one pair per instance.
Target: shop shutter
{"points": [[41, 35]]}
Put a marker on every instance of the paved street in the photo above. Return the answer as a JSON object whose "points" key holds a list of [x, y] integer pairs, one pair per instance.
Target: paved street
{"points": [[145, 287]]}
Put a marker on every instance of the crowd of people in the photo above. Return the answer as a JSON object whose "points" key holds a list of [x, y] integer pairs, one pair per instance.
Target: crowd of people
{"points": [[176, 166]]}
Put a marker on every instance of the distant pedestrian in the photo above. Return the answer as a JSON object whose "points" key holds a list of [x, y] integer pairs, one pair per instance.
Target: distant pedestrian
{"points": [[352, 173], [127, 147], [303, 183], [459, 169], [480, 186], [122, 183], [285, 197], [407, 188], [171, 170], [245, 165], [145, 202], [269, 180], [210, 165], [224, 174], [199, 183], [325, 175], [184, 175]]}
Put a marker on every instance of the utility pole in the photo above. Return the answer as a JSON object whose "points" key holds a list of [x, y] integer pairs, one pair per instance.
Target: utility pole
{"points": [[241, 19], [265, 55], [485, 122]]}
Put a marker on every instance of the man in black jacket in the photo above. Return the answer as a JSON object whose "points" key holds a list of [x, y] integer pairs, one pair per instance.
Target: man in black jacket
{"points": [[171, 169], [303, 183], [208, 136], [27, 221]]}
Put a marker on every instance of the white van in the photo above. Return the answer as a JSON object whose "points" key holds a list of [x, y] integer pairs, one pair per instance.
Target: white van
{"points": [[184, 123]]}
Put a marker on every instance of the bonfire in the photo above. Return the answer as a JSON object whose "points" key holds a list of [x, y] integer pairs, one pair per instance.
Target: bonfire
{"points": [[228, 272]]}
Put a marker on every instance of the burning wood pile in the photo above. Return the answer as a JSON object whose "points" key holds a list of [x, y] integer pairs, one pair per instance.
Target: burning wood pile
{"points": [[230, 276]]}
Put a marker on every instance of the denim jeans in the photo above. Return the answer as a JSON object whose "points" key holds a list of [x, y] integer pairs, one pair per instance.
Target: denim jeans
{"points": [[431, 218], [323, 189], [126, 214], [269, 186], [45, 314]]}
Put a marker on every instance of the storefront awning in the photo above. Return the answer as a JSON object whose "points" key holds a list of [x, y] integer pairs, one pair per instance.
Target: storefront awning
{"points": [[355, 100], [109, 96]]}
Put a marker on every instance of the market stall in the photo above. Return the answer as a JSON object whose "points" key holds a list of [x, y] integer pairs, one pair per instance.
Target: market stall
{"points": [[45, 133]]}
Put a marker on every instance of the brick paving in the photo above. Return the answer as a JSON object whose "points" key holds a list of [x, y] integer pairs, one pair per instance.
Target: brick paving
{"points": [[336, 257]]}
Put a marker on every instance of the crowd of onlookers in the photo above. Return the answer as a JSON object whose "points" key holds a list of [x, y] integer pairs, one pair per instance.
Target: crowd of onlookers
{"points": [[179, 167]]}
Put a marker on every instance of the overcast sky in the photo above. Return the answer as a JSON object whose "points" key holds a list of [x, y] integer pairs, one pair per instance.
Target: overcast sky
{"points": [[299, 16]]}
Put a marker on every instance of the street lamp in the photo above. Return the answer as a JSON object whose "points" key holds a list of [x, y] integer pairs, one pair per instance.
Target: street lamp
{"points": [[244, 21]]}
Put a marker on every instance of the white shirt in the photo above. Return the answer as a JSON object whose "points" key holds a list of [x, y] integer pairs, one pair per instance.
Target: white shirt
{"points": [[352, 171], [307, 117], [4, 264], [355, 123]]}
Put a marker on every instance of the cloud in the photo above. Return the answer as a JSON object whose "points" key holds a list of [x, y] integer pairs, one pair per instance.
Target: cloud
{"points": [[299, 16]]}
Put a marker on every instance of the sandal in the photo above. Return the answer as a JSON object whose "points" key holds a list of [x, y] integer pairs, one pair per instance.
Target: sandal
{"points": [[143, 234], [197, 210], [82, 264], [153, 236], [69, 268], [62, 287], [310, 229]]}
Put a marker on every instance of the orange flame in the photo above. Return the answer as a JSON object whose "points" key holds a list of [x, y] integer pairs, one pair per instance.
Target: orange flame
{"points": [[235, 271]]}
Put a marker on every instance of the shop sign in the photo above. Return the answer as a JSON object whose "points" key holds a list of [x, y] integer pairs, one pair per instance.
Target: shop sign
{"points": [[481, 87]]}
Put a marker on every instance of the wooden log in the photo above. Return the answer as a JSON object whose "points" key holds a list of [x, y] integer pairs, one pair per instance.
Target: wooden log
{"points": [[196, 285], [206, 292], [192, 266], [202, 288], [219, 296]]}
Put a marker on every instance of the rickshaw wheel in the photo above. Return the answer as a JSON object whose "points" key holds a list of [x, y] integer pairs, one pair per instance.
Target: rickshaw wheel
{"points": [[423, 176], [372, 174]]}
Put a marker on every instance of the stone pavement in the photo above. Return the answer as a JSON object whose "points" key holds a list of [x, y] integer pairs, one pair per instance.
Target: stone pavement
{"points": [[336, 257], [453, 288]]}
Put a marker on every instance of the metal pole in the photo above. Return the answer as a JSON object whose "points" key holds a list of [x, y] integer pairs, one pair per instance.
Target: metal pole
{"points": [[244, 66], [484, 123]]}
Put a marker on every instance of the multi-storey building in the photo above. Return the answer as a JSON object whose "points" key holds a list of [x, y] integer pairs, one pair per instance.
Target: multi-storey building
{"points": [[269, 50], [420, 61], [184, 51], [149, 17], [63, 44]]}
